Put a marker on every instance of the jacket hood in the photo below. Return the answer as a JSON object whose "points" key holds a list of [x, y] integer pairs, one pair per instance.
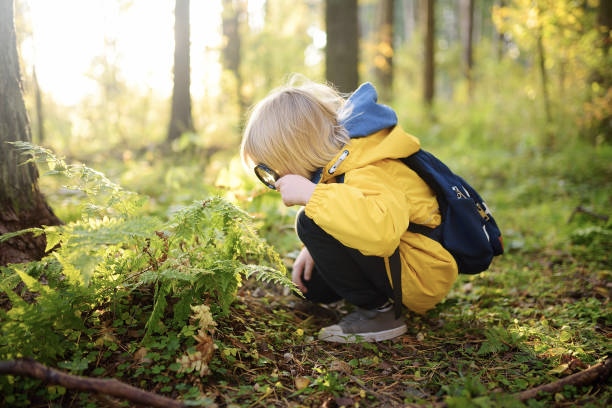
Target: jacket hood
{"points": [[385, 139], [365, 114]]}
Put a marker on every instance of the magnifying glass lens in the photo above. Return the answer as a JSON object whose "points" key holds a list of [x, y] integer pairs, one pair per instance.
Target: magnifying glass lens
{"points": [[266, 175]]}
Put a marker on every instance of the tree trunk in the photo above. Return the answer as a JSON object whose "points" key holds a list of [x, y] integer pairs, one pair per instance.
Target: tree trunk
{"points": [[543, 74], [180, 119], [384, 49], [500, 38], [599, 130], [233, 13], [604, 19], [40, 117], [429, 68], [408, 19], [21, 203], [342, 51], [467, 24]]}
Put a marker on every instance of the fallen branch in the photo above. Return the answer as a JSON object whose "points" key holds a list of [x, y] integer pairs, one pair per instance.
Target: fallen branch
{"points": [[582, 210], [598, 372], [112, 387]]}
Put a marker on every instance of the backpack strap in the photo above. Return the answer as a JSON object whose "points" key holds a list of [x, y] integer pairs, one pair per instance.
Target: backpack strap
{"points": [[429, 232], [421, 229], [395, 263]]}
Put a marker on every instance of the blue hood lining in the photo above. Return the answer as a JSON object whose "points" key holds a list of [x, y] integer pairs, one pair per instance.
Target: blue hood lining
{"points": [[365, 114]]}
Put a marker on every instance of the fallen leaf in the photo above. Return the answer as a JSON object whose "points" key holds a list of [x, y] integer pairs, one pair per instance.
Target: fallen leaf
{"points": [[340, 366], [140, 355], [301, 382], [559, 369]]}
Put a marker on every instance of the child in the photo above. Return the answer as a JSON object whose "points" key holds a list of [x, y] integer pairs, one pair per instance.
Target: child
{"points": [[339, 159]]}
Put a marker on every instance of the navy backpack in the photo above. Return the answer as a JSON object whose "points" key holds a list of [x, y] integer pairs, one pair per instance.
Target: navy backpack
{"points": [[468, 230]]}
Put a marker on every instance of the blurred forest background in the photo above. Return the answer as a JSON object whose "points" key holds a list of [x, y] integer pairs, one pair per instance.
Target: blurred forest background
{"points": [[512, 73], [136, 109], [124, 85], [127, 86]]}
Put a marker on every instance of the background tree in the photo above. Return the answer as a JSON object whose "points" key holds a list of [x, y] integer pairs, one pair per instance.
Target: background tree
{"points": [[180, 117], [604, 19], [22, 205], [234, 12], [383, 61], [40, 117], [557, 40], [342, 51], [601, 125], [467, 34], [429, 60]]}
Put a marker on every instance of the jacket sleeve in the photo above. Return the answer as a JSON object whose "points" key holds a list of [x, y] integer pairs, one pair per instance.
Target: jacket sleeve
{"points": [[370, 211]]}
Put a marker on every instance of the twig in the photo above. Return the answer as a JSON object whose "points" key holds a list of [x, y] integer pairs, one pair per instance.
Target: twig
{"points": [[583, 210], [113, 387], [598, 372]]}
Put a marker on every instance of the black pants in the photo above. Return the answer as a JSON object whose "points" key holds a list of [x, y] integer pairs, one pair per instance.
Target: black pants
{"points": [[341, 272]]}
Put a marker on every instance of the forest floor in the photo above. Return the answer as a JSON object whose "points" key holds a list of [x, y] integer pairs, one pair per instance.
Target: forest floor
{"points": [[536, 317], [531, 320]]}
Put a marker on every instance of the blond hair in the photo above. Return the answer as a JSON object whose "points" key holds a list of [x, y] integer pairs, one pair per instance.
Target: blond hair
{"points": [[295, 129]]}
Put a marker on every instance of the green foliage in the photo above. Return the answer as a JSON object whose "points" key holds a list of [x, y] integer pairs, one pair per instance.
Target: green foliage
{"points": [[498, 340], [288, 28], [100, 197], [563, 39], [85, 293]]}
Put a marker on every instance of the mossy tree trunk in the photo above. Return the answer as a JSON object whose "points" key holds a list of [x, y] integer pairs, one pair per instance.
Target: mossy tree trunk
{"points": [[21, 203]]}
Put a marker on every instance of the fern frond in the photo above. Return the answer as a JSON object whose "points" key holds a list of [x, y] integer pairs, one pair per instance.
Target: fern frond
{"points": [[105, 197], [8, 235], [267, 274]]}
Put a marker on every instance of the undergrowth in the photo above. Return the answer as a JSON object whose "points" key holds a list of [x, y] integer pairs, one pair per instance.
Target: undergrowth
{"points": [[195, 304], [118, 275]]}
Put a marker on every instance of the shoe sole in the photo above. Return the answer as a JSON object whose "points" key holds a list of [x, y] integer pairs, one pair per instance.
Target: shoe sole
{"points": [[363, 337]]}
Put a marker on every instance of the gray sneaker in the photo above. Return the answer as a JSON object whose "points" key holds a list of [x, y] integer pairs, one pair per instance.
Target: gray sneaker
{"points": [[365, 325]]}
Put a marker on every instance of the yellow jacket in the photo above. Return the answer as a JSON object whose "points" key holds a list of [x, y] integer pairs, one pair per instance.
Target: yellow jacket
{"points": [[370, 211]]}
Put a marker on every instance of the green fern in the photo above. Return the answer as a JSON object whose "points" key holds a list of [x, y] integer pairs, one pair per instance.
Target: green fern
{"points": [[103, 197], [499, 340], [116, 254]]}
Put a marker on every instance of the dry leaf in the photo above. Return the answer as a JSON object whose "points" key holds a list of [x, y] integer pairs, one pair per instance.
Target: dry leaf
{"points": [[340, 366], [140, 355], [559, 369], [301, 382]]}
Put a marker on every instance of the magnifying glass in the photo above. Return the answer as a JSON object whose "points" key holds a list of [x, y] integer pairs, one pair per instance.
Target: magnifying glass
{"points": [[266, 175]]}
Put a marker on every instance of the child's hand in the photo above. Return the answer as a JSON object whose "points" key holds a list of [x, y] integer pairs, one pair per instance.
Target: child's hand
{"points": [[302, 269], [294, 189]]}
